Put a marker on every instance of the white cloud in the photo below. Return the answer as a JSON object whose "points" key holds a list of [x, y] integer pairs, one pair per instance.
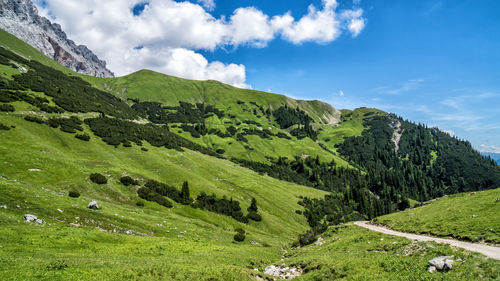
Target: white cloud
{"points": [[319, 26], [166, 34], [407, 86], [449, 132], [355, 21], [208, 4], [185, 63], [249, 25], [489, 148], [341, 93]]}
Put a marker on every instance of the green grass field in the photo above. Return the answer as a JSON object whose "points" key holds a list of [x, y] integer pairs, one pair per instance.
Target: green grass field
{"points": [[471, 216], [39, 165]]}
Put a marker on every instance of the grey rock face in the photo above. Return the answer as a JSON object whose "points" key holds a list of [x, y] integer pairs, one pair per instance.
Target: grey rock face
{"points": [[20, 18]]}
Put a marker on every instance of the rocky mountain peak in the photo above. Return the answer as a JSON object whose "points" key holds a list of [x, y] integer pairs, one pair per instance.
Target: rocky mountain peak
{"points": [[20, 18]]}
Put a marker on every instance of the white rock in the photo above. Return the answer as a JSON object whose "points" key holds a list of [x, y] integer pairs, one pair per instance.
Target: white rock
{"points": [[39, 221], [443, 263], [93, 205], [60, 211], [3, 206], [30, 218]]}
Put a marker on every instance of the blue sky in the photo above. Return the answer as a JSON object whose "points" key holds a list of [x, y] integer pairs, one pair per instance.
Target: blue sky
{"points": [[431, 61]]}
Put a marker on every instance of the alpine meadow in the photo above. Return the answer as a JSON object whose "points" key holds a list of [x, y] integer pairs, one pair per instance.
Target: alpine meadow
{"points": [[150, 176]]}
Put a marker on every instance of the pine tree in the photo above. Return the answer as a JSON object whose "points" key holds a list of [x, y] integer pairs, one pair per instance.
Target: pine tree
{"points": [[186, 200], [253, 206]]}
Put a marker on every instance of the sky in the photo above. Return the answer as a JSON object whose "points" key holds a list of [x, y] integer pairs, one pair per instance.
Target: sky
{"points": [[435, 62]]}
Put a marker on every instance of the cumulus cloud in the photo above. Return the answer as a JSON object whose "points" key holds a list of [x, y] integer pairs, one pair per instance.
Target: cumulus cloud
{"points": [[489, 148], [355, 21], [164, 35], [207, 4]]}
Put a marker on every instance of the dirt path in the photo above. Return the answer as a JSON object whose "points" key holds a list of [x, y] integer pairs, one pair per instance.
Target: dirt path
{"points": [[489, 251]]}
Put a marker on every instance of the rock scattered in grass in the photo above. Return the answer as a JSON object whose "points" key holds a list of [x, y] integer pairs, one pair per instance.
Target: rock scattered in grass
{"points": [[3, 207], [282, 271], [30, 218], [443, 263], [93, 205], [320, 241]]}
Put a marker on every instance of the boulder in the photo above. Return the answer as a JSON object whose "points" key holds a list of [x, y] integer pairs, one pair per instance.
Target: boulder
{"points": [[320, 241], [93, 205], [39, 221], [443, 263], [30, 218]]}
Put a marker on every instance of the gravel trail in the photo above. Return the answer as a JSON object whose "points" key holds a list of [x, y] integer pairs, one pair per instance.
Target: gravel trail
{"points": [[489, 251]]}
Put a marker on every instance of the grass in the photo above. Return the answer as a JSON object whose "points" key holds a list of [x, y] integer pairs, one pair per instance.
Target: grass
{"points": [[351, 125], [353, 253], [148, 85], [469, 216], [39, 165]]}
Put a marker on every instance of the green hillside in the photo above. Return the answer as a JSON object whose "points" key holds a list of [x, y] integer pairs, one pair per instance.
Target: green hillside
{"points": [[472, 216], [179, 167]]}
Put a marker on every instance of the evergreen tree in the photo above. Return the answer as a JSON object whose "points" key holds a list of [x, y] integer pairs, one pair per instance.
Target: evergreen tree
{"points": [[186, 200], [253, 206]]}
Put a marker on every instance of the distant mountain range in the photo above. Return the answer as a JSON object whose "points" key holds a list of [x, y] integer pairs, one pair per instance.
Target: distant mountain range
{"points": [[494, 156], [20, 18]]}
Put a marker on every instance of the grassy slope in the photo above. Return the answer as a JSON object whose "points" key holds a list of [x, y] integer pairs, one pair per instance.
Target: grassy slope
{"points": [[65, 163], [152, 86], [354, 253], [179, 243], [351, 125], [469, 216]]}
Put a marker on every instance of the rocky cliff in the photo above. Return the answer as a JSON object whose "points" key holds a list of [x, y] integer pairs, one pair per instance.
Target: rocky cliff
{"points": [[20, 18]]}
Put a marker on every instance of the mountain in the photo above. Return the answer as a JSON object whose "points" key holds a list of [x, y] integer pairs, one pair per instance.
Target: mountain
{"points": [[20, 18], [198, 180], [494, 156]]}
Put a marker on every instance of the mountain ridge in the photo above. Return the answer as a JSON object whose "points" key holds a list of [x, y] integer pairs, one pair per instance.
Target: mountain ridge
{"points": [[20, 18]]}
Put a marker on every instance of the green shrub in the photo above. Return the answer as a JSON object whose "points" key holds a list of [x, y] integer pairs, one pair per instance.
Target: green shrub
{"points": [[4, 127], [240, 230], [144, 149], [126, 180], [98, 178], [34, 119], [83, 137], [74, 194], [139, 203], [220, 151], [254, 216], [7, 107], [239, 237], [150, 195], [298, 212]]}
